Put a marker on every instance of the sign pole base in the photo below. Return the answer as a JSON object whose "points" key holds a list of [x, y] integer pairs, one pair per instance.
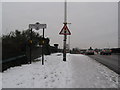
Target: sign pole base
{"points": [[64, 59]]}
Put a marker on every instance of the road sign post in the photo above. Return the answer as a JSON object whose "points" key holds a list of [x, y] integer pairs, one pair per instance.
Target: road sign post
{"points": [[65, 38], [43, 49], [65, 31], [30, 45], [37, 26]]}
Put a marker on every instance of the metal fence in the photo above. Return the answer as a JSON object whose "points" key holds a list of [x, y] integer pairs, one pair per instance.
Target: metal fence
{"points": [[14, 61]]}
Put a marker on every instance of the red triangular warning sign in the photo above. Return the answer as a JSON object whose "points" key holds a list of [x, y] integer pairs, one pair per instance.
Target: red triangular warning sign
{"points": [[65, 31]]}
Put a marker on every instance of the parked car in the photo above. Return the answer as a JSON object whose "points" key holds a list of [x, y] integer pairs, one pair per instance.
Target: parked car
{"points": [[89, 52], [82, 51], [105, 52]]}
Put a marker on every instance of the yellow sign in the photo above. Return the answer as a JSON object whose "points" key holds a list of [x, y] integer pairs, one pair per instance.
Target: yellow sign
{"points": [[43, 41], [30, 41]]}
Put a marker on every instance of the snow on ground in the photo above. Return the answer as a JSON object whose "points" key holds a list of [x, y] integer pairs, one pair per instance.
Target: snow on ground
{"points": [[0, 80], [54, 74], [78, 72], [91, 74]]}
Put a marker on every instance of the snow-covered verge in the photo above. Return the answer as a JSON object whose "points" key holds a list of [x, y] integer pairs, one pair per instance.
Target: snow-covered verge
{"points": [[0, 80], [54, 74], [91, 74], [78, 72], [110, 75]]}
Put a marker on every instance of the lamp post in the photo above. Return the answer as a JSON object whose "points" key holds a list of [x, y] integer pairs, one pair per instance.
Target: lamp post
{"points": [[65, 31]]}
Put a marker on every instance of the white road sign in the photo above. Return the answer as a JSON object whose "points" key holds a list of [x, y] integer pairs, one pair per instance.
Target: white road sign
{"points": [[37, 26]]}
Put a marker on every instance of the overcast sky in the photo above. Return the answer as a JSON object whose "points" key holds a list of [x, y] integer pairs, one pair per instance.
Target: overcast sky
{"points": [[93, 24]]}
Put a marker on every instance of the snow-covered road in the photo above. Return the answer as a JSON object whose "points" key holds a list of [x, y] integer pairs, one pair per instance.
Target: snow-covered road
{"points": [[78, 72]]}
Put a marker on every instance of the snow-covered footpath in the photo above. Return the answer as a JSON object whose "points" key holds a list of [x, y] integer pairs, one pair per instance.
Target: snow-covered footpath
{"points": [[58, 74], [54, 74], [0, 81]]}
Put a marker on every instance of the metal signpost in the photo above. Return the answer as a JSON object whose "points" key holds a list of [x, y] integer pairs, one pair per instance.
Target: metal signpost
{"points": [[37, 26], [30, 44], [65, 31], [43, 48]]}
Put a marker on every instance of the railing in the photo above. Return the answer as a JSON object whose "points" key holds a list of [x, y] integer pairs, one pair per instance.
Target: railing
{"points": [[12, 59]]}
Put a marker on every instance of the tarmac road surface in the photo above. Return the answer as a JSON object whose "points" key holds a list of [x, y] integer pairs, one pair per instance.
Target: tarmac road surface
{"points": [[111, 61]]}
